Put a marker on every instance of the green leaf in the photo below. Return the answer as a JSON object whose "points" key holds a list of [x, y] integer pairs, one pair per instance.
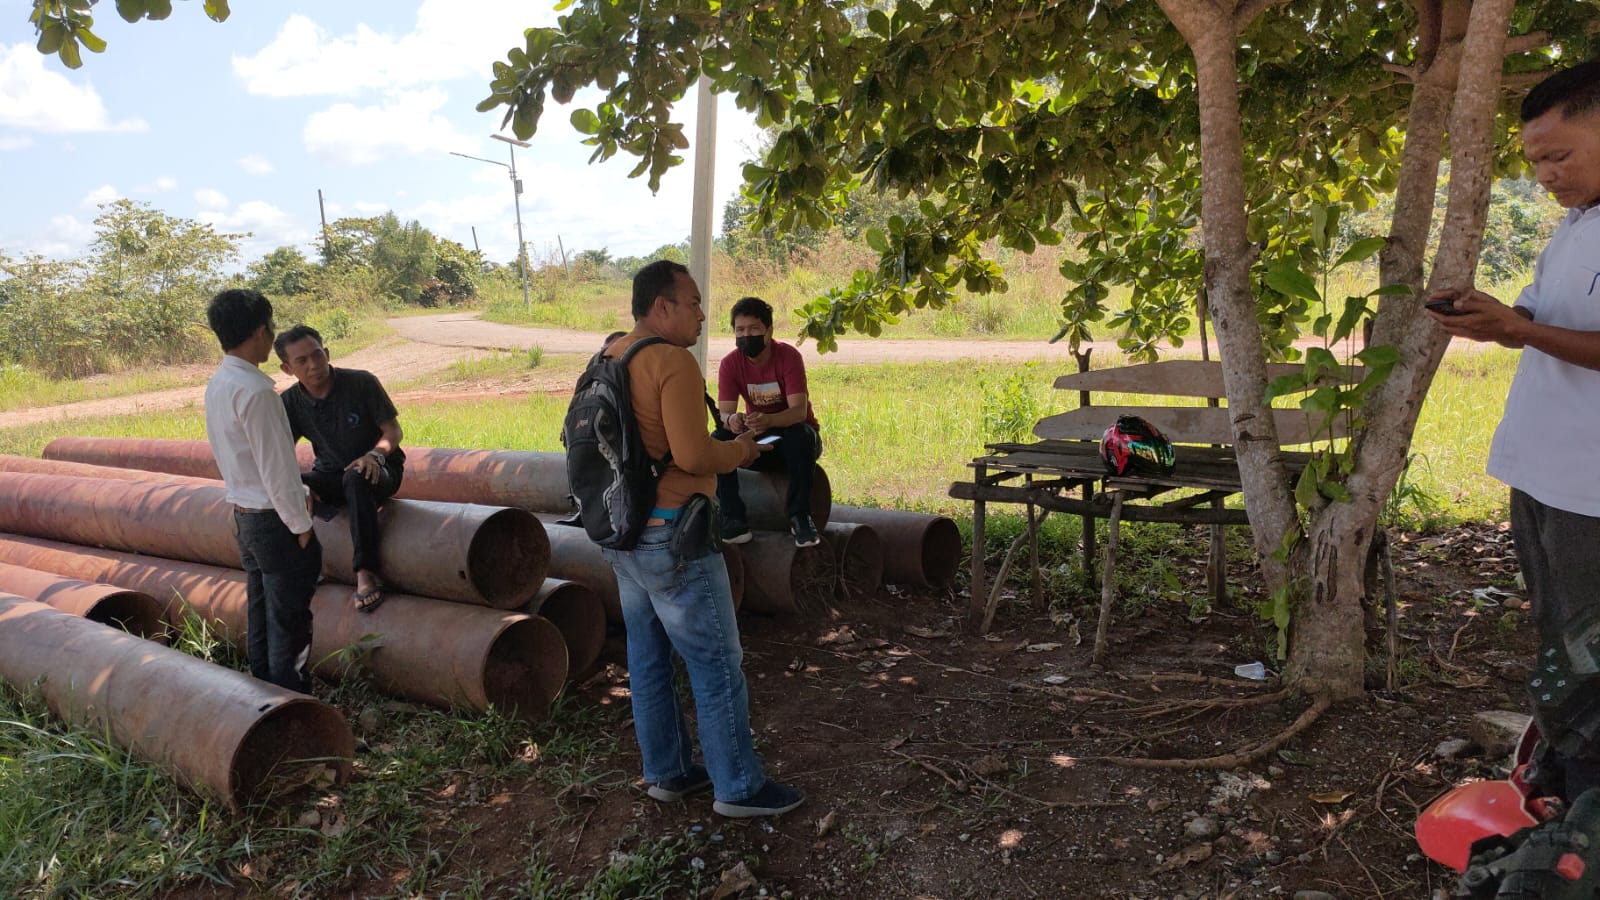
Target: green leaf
{"points": [[585, 121], [89, 39], [1285, 277], [51, 38], [217, 10], [130, 10], [1360, 250], [69, 53], [876, 240], [1305, 489], [157, 9]]}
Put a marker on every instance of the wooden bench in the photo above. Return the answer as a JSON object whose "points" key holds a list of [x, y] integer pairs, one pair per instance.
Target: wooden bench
{"points": [[1045, 476]]}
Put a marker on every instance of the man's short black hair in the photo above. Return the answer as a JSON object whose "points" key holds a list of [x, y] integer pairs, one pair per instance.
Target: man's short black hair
{"points": [[236, 314], [755, 308], [652, 281], [293, 335], [1572, 91]]}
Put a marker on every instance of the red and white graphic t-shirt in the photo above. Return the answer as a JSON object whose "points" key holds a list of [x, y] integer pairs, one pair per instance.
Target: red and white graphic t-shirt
{"points": [[765, 388]]}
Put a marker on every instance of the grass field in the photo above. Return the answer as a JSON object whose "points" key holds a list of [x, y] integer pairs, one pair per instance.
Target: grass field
{"points": [[897, 434]]}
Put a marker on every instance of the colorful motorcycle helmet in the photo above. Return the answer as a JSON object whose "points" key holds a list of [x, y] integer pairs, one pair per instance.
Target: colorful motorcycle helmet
{"points": [[1135, 447]]}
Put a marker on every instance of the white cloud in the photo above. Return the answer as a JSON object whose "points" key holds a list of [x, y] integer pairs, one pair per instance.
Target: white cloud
{"points": [[256, 164], [211, 200], [161, 185], [406, 124], [446, 42], [33, 98], [8, 142], [105, 193]]}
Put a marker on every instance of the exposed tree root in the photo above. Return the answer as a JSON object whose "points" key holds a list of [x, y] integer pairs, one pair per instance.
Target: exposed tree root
{"points": [[1226, 760], [1208, 680], [1173, 706]]}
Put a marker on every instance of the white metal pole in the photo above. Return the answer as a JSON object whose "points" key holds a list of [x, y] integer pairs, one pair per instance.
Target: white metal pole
{"points": [[700, 234], [522, 248]]}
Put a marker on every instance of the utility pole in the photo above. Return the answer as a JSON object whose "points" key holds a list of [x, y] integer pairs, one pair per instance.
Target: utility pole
{"points": [[327, 239], [516, 202]]}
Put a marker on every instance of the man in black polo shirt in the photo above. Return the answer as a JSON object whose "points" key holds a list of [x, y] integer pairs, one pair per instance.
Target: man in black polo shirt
{"points": [[355, 432]]}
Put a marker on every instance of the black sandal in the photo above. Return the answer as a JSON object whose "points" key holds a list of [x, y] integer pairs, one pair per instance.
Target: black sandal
{"points": [[370, 599]]}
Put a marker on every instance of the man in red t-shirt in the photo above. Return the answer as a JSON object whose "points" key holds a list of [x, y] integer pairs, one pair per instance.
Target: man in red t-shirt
{"points": [[770, 377]]}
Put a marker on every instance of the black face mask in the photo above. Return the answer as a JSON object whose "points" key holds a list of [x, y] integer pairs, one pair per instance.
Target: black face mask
{"points": [[751, 345]]}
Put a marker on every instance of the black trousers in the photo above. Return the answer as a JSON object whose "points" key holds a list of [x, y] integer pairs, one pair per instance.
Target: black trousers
{"points": [[796, 453], [1556, 551], [280, 577], [351, 490]]}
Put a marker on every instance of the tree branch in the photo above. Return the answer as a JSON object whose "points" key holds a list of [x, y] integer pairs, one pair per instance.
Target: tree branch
{"points": [[1247, 10], [1522, 43]]}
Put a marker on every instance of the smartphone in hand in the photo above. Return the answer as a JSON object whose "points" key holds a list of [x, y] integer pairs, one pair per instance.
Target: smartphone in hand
{"points": [[1444, 304], [769, 440]]}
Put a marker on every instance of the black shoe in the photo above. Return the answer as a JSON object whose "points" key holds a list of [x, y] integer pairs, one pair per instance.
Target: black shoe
{"points": [[675, 789], [774, 799], [805, 531], [735, 531]]}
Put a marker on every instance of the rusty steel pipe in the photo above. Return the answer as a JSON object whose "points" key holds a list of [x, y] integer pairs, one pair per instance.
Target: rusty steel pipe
{"points": [[859, 552], [442, 654], [531, 480], [918, 549], [576, 611], [490, 556], [135, 612], [573, 557], [216, 730], [782, 578]]}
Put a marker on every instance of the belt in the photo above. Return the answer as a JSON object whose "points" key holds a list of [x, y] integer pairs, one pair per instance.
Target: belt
{"points": [[659, 516], [250, 509]]}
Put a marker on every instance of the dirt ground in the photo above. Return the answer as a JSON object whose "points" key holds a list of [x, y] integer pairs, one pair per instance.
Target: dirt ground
{"points": [[941, 766], [938, 765]]}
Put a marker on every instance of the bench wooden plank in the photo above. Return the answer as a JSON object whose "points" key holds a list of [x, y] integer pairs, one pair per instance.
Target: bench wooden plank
{"points": [[1179, 378], [1181, 425], [1133, 512]]}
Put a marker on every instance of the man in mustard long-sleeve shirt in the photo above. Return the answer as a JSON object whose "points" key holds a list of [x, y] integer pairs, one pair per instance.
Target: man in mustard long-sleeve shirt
{"points": [[685, 605]]}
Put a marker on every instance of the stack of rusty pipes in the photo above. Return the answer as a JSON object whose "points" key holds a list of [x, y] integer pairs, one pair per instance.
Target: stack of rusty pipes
{"points": [[436, 652], [506, 558], [918, 549]]}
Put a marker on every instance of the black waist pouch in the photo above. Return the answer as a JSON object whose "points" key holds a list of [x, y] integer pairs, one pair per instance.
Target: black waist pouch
{"points": [[699, 529]]}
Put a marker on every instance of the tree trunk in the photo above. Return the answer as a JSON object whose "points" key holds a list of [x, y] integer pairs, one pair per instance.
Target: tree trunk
{"points": [[1326, 650], [1211, 32], [1325, 580]]}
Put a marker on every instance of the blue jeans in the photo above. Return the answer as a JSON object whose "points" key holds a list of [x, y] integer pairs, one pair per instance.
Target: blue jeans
{"points": [[668, 605], [280, 577]]}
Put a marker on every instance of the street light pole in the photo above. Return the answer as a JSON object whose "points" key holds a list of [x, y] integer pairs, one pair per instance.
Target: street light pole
{"points": [[516, 202]]}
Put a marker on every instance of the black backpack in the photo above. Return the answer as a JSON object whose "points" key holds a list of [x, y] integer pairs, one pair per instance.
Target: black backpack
{"points": [[611, 475]]}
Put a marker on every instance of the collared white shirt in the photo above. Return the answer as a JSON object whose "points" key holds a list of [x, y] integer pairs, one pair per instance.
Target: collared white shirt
{"points": [[1548, 442], [250, 439]]}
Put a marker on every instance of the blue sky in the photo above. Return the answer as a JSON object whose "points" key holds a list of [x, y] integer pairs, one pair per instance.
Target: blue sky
{"points": [[239, 124]]}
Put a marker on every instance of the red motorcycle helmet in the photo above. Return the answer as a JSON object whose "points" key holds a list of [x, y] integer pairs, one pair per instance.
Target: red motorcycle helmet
{"points": [[1134, 446]]}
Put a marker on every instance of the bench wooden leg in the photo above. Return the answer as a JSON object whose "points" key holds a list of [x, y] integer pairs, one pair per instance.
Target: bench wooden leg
{"points": [[1033, 551], [1217, 564], [1107, 581], [975, 601], [1089, 553]]}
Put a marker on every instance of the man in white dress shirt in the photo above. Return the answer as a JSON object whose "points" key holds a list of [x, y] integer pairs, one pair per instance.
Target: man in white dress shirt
{"points": [[1548, 443], [250, 438]]}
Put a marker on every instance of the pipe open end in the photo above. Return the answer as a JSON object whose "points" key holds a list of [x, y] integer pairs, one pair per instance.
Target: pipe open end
{"points": [[526, 668], [812, 578], [576, 612], [860, 553], [509, 558], [291, 744], [135, 612], [941, 551]]}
